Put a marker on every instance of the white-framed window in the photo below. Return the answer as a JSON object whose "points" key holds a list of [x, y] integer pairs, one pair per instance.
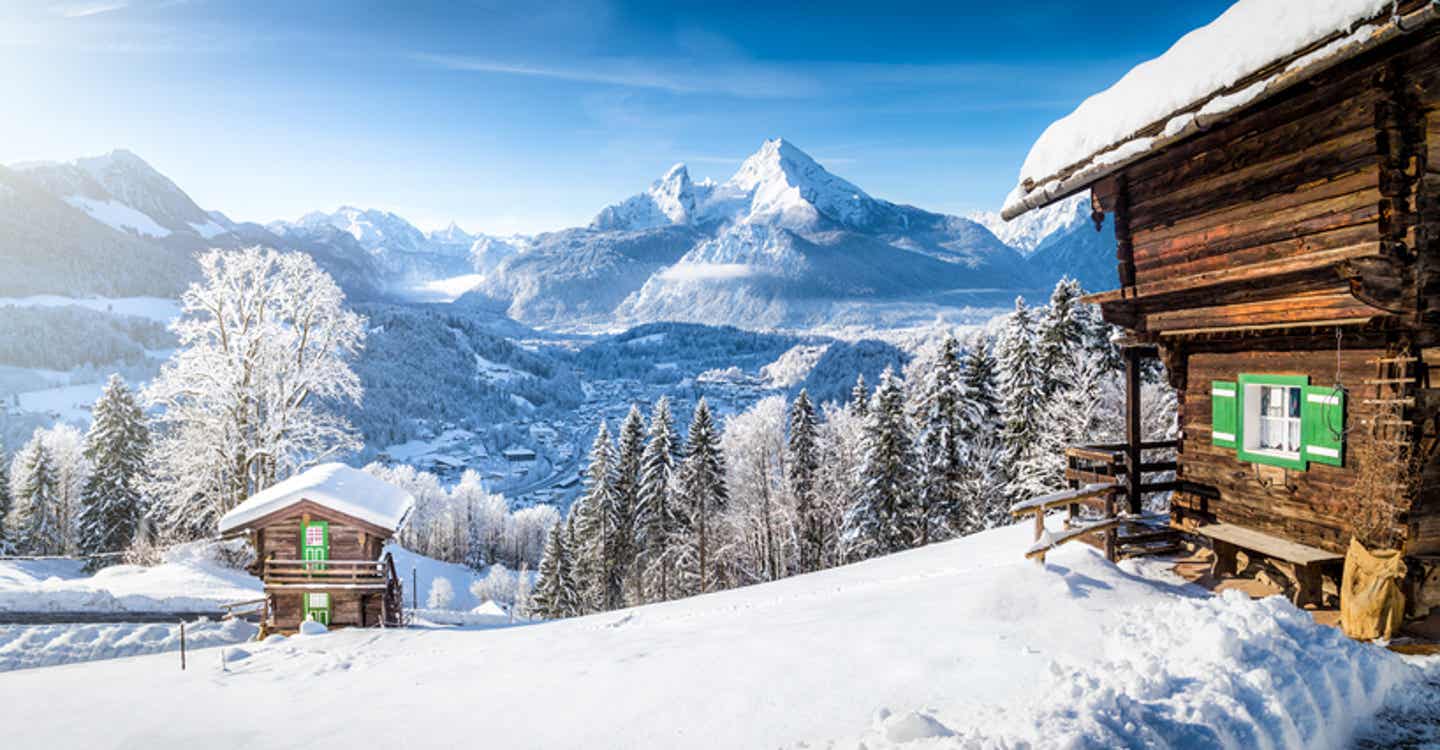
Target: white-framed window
{"points": [[317, 600], [314, 535], [1272, 419]]}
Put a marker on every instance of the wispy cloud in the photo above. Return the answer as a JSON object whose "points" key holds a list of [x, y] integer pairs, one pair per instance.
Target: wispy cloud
{"points": [[85, 10], [744, 79]]}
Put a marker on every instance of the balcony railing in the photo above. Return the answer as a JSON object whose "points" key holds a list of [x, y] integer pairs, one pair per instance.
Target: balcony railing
{"points": [[328, 573]]}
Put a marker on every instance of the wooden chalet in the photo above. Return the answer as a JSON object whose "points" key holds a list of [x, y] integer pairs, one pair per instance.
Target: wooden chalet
{"points": [[319, 540], [1278, 248]]}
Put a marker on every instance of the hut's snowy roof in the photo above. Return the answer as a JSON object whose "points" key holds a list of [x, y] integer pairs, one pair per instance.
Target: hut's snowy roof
{"points": [[1253, 50], [337, 486]]}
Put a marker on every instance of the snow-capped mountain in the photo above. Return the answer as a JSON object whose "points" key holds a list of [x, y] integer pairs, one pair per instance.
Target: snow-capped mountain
{"points": [[783, 242], [1060, 240], [403, 252], [1025, 233], [123, 191]]}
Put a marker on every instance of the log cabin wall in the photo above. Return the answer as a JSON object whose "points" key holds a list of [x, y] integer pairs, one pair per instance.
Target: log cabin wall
{"points": [[1305, 506], [1242, 249], [280, 539]]}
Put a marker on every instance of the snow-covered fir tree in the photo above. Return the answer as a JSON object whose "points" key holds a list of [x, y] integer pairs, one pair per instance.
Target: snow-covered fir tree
{"points": [[661, 525], [702, 497], [34, 522], [802, 469], [1021, 388], [629, 462], [112, 504], [885, 518], [982, 404], [1060, 331], [984, 503], [250, 395], [597, 560], [860, 396], [937, 397]]}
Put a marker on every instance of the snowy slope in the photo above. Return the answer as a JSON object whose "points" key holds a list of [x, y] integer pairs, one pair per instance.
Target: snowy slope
{"points": [[962, 640]]}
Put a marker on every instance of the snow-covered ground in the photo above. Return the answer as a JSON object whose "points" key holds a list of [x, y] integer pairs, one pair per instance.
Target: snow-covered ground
{"points": [[30, 646], [189, 580], [928, 648]]}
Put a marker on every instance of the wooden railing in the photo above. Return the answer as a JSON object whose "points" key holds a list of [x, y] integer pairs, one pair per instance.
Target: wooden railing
{"points": [[365, 573], [1110, 463], [1100, 496]]}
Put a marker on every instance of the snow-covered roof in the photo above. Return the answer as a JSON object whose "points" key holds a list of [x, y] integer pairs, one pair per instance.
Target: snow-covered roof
{"points": [[1254, 49], [336, 486]]}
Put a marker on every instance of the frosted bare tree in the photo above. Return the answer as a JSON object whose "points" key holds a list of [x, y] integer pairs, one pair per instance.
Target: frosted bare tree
{"points": [[761, 516], [249, 397]]}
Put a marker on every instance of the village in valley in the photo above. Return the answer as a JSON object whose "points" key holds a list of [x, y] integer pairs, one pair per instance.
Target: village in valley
{"points": [[1147, 458]]}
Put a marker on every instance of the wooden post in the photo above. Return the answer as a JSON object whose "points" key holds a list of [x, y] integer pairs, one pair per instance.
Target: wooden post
{"points": [[182, 645], [414, 590], [1133, 435]]}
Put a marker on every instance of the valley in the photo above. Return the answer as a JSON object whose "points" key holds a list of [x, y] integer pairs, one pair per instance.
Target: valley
{"points": [[480, 344]]}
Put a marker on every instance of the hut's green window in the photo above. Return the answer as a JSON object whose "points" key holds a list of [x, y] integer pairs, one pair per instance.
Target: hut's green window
{"points": [[317, 607], [1279, 420]]}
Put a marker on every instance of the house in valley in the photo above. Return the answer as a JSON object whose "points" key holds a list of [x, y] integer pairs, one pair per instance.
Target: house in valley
{"points": [[319, 539], [1274, 185]]}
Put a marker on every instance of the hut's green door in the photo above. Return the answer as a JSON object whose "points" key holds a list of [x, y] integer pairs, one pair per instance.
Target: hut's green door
{"points": [[317, 607], [315, 543]]}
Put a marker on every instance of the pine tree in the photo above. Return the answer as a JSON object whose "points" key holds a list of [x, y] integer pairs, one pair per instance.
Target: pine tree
{"points": [[703, 497], [860, 397], [981, 412], [1020, 388], [659, 521], [35, 520], [596, 561], [802, 466], [555, 594], [111, 503], [1061, 333], [885, 518], [626, 505], [937, 403]]}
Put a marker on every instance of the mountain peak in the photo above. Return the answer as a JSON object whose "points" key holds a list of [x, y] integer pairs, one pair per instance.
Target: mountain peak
{"points": [[785, 180]]}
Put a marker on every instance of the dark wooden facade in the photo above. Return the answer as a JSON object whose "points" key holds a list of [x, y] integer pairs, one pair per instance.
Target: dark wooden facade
{"points": [[358, 576], [1246, 249]]}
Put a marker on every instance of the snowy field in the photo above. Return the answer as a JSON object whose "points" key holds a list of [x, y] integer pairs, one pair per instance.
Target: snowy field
{"points": [[928, 648], [30, 646], [187, 581]]}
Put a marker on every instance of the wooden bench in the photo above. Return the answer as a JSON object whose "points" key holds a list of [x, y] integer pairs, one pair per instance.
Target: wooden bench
{"points": [[1305, 561]]}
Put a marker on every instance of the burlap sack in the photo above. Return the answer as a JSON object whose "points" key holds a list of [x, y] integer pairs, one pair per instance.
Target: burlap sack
{"points": [[1371, 604]]}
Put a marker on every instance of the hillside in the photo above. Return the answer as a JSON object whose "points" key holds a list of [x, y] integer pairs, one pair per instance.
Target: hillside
{"points": [[956, 643]]}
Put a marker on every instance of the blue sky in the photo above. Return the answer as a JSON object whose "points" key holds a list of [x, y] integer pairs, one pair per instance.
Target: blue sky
{"points": [[523, 117]]}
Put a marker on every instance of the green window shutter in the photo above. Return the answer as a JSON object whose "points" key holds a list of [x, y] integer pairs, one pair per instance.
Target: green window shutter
{"points": [[1322, 422], [1224, 413]]}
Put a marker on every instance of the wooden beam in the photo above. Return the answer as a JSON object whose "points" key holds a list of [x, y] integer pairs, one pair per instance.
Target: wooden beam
{"points": [[1133, 435], [1236, 275]]}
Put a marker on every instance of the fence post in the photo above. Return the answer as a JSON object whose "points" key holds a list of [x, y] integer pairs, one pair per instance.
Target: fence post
{"points": [[182, 645], [414, 590]]}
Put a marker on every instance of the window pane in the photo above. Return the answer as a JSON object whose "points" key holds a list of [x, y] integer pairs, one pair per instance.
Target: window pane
{"points": [[1294, 394]]}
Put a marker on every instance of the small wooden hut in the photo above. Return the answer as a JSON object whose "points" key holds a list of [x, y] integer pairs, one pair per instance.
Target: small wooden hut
{"points": [[1274, 185], [319, 540]]}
